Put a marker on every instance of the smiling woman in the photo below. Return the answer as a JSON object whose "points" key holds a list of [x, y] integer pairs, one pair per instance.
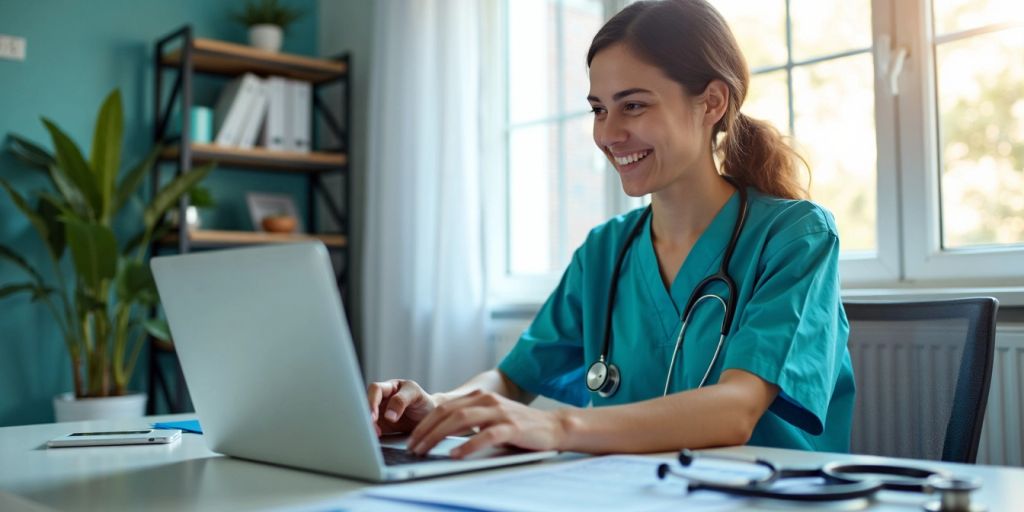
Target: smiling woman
{"points": [[633, 327]]}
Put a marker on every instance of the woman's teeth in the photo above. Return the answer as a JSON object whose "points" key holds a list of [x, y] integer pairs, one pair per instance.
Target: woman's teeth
{"points": [[633, 157]]}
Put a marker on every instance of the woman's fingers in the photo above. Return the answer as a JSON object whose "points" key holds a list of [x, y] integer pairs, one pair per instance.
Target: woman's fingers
{"points": [[408, 393], [376, 394], [488, 437], [456, 421], [438, 415]]}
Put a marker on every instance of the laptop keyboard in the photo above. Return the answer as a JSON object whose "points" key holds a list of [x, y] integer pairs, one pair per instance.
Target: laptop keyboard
{"points": [[397, 456]]}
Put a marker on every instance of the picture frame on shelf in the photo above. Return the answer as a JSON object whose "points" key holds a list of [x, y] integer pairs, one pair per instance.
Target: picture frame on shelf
{"points": [[274, 213]]}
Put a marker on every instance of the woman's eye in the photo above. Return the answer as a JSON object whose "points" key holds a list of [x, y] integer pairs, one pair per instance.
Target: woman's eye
{"points": [[633, 107], [597, 110]]}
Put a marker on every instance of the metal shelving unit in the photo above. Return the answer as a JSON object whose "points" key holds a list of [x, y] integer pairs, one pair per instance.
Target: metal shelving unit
{"points": [[183, 55]]}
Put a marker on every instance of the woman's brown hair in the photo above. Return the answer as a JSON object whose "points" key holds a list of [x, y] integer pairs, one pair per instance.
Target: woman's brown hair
{"points": [[691, 43]]}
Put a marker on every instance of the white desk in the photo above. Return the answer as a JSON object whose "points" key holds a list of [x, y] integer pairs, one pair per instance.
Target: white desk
{"points": [[187, 476]]}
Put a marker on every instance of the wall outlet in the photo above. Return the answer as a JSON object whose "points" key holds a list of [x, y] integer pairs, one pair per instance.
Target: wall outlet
{"points": [[12, 47]]}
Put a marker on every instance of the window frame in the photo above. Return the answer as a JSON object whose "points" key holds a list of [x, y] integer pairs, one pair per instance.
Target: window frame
{"points": [[924, 258]]}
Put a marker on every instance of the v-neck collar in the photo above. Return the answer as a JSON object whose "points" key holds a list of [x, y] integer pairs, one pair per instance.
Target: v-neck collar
{"points": [[702, 261]]}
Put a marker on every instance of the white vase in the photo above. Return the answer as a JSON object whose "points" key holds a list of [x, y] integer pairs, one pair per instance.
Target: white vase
{"points": [[68, 408], [266, 36]]}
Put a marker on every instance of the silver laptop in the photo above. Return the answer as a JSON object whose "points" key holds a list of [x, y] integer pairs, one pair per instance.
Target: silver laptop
{"points": [[269, 362]]}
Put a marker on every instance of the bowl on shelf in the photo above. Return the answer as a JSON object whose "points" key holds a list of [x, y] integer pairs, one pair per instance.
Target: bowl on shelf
{"points": [[279, 223]]}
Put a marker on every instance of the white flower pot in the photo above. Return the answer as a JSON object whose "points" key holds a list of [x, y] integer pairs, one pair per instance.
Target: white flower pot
{"points": [[191, 217], [266, 37], [68, 408]]}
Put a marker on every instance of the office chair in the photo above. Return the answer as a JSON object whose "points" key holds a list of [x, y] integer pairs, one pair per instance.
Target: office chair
{"points": [[923, 371]]}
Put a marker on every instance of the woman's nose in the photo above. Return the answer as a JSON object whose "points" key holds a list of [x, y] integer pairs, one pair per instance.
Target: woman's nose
{"points": [[609, 132]]}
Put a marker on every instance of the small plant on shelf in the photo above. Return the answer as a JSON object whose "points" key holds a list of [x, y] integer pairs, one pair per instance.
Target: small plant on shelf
{"points": [[267, 21]]}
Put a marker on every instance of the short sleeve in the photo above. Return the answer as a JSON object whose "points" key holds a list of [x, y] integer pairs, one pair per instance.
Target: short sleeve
{"points": [[792, 331], [548, 358]]}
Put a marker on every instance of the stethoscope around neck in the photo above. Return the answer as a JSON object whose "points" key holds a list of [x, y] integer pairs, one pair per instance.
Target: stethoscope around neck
{"points": [[603, 376]]}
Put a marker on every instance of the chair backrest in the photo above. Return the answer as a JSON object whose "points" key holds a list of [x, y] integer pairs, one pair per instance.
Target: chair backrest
{"points": [[922, 371]]}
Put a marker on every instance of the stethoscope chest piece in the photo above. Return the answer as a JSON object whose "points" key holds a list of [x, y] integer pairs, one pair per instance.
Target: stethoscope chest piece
{"points": [[603, 378], [954, 494]]}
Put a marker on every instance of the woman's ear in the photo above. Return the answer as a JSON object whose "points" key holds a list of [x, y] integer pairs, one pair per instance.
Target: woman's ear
{"points": [[715, 101]]}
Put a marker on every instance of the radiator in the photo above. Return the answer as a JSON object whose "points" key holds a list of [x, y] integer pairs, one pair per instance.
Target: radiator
{"points": [[1001, 438]]}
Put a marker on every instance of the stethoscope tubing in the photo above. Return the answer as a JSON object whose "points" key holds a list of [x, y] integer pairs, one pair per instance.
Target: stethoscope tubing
{"points": [[840, 479], [604, 369]]}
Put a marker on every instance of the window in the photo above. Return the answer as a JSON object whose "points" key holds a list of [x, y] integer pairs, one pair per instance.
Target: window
{"points": [[556, 178], [909, 112]]}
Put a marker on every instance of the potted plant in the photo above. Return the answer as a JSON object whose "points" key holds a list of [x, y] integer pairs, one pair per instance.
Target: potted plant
{"points": [[267, 20], [101, 307]]}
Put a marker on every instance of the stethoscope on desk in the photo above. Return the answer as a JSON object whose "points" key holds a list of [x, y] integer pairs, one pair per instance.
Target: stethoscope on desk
{"points": [[841, 481], [603, 376]]}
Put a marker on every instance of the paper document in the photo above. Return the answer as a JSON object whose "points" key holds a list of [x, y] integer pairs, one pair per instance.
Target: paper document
{"points": [[623, 483]]}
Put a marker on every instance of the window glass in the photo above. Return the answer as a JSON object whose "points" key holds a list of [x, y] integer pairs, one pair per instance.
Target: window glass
{"points": [[822, 27], [981, 132], [759, 27], [533, 198], [532, 62], [767, 99], [957, 15], [835, 130]]}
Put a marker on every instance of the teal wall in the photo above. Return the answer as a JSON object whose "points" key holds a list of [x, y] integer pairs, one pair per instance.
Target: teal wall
{"points": [[78, 51]]}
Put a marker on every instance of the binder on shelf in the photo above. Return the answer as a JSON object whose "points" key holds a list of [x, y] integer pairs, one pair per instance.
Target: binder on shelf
{"points": [[254, 115], [274, 135], [299, 94], [230, 112]]}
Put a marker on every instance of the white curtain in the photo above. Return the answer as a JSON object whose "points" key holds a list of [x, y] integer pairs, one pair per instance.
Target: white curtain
{"points": [[424, 313]]}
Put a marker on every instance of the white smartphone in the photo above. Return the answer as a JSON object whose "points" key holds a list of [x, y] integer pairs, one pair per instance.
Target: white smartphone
{"points": [[151, 436]]}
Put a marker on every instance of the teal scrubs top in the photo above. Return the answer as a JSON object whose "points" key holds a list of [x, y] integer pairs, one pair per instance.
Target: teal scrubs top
{"points": [[789, 328]]}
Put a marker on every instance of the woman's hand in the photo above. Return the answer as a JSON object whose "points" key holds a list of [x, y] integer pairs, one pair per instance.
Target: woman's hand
{"points": [[398, 405], [499, 420]]}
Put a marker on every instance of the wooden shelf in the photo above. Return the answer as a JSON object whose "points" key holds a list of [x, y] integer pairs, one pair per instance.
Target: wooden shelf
{"points": [[212, 56], [314, 161], [206, 238]]}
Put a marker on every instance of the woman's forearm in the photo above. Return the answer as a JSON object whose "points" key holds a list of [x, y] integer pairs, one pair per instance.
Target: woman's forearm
{"points": [[718, 415]]}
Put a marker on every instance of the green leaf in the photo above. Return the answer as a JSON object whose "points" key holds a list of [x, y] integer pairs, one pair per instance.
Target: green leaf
{"points": [[171, 192], [161, 231], [72, 196], [105, 156], [158, 328], [93, 249], [30, 153], [13, 289], [72, 165], [10, 255], [135, 284], [37, 291], [37, 222], [89, 302], [130, 183], [50, 211]]}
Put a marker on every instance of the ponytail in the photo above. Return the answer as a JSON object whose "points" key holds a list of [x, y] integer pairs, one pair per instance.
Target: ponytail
{"points": [[756, 155], [691, 43]]}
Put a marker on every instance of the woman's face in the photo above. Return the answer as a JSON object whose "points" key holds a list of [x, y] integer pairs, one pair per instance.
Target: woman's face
{"points": [[645, 123]]}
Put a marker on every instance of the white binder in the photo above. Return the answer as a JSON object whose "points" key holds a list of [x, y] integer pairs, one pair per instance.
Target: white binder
{"points": [[231, 109], [300, 110], [274, 130], [254, 116]]}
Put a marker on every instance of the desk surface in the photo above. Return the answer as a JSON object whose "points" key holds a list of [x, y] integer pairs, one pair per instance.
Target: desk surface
{"points": [[187, 475]]}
